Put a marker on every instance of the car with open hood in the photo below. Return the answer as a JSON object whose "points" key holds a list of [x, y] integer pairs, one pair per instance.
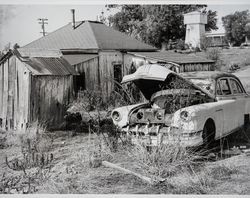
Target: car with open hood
{"points": [[191, 108]]}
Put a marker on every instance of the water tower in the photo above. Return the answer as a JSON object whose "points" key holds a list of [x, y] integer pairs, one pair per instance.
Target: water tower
{"points": [[195, 27]]}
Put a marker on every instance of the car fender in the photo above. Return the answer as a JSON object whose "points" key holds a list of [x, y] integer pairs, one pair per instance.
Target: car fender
{"points": [[199, 114], [124, 113]]}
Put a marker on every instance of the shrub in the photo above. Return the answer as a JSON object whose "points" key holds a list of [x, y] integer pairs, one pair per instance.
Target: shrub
{"points": [[214, 54], [205, 43], [233, 67], [180, 45]]}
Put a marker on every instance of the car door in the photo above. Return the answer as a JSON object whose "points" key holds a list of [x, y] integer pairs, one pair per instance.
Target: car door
{"points": [[229, 108], [239, 95]]}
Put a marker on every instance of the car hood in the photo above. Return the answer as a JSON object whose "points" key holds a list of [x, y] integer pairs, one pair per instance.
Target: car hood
{"points": [[148, 79]]}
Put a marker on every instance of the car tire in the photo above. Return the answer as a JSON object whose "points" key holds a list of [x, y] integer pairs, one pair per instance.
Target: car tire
{"points": [[208, 135]]}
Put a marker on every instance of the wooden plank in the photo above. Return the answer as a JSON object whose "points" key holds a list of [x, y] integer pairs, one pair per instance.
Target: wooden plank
{"points": [[11, 81], [142, 177], [1, 90], [5, 95]]}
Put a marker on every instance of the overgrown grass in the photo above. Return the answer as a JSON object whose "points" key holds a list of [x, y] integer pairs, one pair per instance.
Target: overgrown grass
{"points": [[31, 164], [229, 57]]}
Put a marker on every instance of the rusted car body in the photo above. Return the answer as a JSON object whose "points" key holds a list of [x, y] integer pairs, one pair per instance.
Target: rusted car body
{"points": [[191, 108]]}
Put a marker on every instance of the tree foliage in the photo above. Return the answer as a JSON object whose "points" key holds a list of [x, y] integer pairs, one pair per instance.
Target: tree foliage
{"points": [[156, 24], [235, 26]]}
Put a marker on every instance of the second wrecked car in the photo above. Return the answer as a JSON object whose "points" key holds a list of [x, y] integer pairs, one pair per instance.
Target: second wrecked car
{"points": [[191, 108]]}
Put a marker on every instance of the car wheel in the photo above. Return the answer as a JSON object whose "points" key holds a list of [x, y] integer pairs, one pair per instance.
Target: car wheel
{"points": [[208, 135]]}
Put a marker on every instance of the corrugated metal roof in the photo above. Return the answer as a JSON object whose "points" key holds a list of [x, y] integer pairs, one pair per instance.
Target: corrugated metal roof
{"points": [[30, 52], [79, 58], [50, 66], [89, 35], [170, 56]]}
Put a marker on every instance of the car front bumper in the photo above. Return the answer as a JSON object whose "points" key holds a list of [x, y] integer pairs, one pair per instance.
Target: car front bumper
{"points": [[156, 135]]}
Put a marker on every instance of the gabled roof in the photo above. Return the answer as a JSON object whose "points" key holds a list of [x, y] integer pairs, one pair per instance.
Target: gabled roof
{"points": [[89, 35], [169, 56]]}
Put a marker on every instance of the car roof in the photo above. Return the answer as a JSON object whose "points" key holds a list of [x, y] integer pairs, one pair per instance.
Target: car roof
{"points": [[206, 74]]}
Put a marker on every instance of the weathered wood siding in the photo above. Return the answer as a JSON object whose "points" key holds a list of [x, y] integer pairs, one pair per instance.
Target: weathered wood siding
{"points": [[49, 98], [14, 94], [197, 67], [107, 60], [90, 70], [99, 71]]}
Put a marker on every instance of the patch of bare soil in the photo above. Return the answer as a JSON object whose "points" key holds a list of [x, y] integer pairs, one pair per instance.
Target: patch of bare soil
{"points": [[70, 172]]}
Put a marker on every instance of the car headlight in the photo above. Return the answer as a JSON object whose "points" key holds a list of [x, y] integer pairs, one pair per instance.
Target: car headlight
{"points": [[139, 115], [116, 116], [159, 115], [185, 115]]}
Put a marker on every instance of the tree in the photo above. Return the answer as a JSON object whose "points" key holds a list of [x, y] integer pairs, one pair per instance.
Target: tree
{"points": [[156, 24], [235, 26]]}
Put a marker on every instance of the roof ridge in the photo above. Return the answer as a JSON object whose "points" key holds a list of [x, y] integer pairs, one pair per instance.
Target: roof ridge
{"points": [[96, 42], [46, 35]]}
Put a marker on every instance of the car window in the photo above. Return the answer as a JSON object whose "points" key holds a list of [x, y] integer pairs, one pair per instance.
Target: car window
{"points": [[218, 89], [225, 88], [236, 88]]}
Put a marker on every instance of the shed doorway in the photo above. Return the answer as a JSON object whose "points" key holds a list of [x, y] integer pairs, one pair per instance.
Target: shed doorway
{"points": [[117, 76], [80, 84]]}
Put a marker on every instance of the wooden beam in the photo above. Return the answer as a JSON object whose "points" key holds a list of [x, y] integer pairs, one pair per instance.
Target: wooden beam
{"points": [[144, 178]]}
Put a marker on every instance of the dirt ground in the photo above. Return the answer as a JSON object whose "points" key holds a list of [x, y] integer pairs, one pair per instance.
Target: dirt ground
{"points": [[70, 172]]}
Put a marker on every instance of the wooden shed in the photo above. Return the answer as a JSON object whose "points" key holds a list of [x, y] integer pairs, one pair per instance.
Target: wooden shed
{"points": [[34, 86], [183, 62]]}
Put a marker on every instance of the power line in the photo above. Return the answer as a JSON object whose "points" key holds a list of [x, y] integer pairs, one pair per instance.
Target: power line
{"points": [[43, 22]]}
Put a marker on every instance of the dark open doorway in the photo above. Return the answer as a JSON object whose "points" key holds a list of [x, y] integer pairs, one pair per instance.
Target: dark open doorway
{"points": [[117, 76], [80, 82]]}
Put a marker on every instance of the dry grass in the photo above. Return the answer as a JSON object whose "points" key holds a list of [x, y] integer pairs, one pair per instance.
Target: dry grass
{"points": [[165, 160], [232, 56], [29, 164], [71, 172]]}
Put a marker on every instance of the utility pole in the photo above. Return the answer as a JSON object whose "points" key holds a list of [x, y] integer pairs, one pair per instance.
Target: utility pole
{"points": [[42, 21]]}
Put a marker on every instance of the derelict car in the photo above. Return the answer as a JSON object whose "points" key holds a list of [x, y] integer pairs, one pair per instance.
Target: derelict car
{"points": [[191, 108]]}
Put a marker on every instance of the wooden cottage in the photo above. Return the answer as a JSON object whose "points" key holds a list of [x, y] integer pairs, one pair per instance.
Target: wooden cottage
{"points": [[102, 55], [34, 86]]}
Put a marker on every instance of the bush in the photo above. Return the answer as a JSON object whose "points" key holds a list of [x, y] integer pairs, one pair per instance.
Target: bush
{"points": [[205, 43], [214, 54], [180, 45], [233, 67]]}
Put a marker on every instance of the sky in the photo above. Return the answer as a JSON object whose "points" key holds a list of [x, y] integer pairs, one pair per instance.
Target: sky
{"points": [[20, 24]]}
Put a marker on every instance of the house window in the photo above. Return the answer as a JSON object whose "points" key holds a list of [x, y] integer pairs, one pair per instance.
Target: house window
{"points": [[117, 76]]}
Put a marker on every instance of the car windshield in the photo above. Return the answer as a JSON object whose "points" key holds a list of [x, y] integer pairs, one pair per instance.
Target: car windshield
{"points": [[205, 84]]}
